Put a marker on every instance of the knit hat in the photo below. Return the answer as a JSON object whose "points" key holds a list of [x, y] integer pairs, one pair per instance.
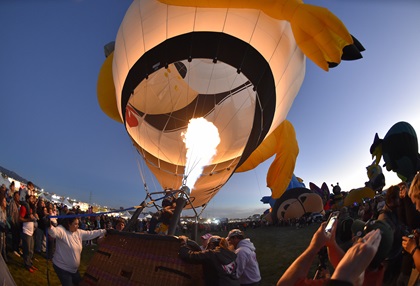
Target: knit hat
{"points": [[360, 228]]}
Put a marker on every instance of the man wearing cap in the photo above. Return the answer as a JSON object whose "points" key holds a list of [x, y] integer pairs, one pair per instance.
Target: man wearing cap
{"points": [[248, 270]]}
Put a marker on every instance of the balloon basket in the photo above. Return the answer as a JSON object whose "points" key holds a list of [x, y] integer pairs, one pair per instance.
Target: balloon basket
{"points": [[126, 258]]}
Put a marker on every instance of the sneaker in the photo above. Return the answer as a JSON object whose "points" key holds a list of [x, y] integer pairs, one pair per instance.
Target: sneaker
{"points": [[16, 253], [30, 269], [34, 268]]}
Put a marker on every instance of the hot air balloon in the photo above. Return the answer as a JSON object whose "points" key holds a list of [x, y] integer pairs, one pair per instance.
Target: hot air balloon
{"points": [[294, 183], [399, 149], [237, 65], [323, 192], [295, 203], [376, 177], [358, 195]]}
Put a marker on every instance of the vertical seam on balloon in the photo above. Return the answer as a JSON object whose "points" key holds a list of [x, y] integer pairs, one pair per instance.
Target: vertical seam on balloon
{"points": [[223, 31], [160, 134], [295, 78], [256, 84], [142, 28]]}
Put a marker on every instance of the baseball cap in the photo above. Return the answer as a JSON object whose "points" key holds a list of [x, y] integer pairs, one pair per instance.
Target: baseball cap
{"points": [[235, 232], [206, 236], [360, 228]]}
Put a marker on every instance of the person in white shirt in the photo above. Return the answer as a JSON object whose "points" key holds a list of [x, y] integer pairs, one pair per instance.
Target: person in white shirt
{"points": [[68, 248]]}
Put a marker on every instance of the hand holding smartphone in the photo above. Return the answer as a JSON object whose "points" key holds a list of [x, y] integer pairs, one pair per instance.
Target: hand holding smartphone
{"points": [[333, 217]]}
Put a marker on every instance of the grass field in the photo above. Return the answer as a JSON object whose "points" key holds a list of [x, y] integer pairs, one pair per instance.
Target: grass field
{"points": [[277, 248]]}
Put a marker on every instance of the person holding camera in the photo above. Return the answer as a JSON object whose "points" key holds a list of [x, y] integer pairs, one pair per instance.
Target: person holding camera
{"points": [[410, 218], [389, 214], [410, 243], [349, 267]]}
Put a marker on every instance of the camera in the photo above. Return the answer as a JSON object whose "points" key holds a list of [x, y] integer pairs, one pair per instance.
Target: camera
{"points": [[333, 217], [410, 233]]}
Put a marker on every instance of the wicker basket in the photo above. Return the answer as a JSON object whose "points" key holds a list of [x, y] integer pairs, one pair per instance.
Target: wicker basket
{"points": [[140, 259]]}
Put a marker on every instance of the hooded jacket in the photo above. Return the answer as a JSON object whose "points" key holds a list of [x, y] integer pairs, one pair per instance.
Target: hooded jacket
{"points": [[219, 265], [247, 265]]}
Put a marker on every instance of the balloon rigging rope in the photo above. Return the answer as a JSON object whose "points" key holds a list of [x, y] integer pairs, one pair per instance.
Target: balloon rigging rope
{"points": [[258, 182]]}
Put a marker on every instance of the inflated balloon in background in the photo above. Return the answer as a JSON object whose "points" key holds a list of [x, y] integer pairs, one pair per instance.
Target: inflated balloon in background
{"points": [[358, 195], [295, 203], [399, 149]]}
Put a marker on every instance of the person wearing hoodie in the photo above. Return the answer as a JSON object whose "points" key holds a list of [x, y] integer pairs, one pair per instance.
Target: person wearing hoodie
{"points": [[219, 266], [248, 270]]}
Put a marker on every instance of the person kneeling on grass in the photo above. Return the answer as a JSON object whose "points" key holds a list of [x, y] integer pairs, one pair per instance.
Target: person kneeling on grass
{"points": [[349, 267], [68, 248]]}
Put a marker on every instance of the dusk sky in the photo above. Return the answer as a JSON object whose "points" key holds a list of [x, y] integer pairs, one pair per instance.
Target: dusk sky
{"points": [[55, 134]]}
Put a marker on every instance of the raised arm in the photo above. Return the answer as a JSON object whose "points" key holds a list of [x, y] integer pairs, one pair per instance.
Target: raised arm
{"points": [[300, 267], [335, 253], [354, 263]]}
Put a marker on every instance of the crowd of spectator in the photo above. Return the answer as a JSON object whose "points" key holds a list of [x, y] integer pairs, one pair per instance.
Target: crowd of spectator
{"points": [[392, 251]]}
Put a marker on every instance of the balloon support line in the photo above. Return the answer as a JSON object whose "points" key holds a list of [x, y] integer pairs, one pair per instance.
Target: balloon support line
{"points": [[116, 211], [92, 214]]}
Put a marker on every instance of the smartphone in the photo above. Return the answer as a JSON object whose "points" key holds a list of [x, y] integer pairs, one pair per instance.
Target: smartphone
{"points": [[333, 217]]}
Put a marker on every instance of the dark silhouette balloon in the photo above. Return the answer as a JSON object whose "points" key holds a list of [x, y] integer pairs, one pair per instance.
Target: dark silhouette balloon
{"points": [[399, 150]]}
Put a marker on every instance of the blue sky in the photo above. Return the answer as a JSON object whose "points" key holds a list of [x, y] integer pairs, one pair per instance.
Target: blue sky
{"points": [[54, 133]]}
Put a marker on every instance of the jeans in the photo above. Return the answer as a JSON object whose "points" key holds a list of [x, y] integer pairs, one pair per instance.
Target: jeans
{"points": [[39, 240], [28, 249], [67, 278]]}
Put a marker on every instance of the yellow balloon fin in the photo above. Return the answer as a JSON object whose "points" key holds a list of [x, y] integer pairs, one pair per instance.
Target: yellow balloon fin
{"points": [[106, 91], [319, 33], [283, 143]]}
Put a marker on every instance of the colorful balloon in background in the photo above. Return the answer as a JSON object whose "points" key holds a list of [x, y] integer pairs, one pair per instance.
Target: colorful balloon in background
{"points": [[323, 192], [295, 203]]}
